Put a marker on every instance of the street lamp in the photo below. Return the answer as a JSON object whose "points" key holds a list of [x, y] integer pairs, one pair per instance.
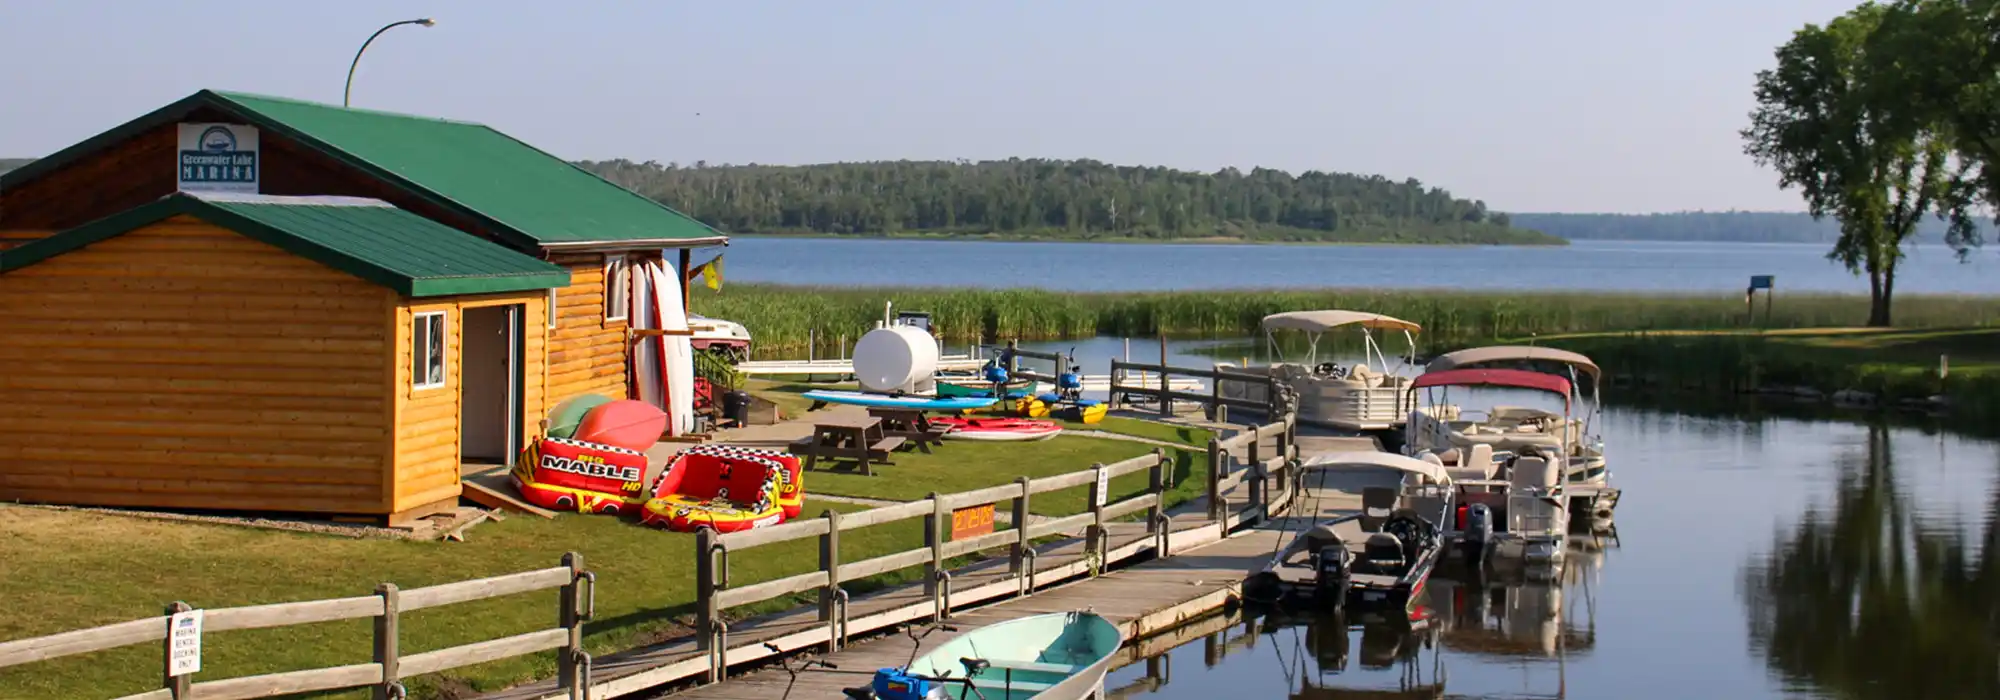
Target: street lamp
{"points": [[349, 92]]}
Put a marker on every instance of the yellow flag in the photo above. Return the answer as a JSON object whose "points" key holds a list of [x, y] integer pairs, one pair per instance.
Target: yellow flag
{"points": [[711, 273]]}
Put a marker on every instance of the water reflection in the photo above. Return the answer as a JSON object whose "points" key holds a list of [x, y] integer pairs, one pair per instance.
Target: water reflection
{"points": [[1489, 636], [1876, 596]]}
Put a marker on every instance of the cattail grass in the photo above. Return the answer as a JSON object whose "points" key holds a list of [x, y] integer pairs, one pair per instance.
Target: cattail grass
{"points": [[782, 318]]}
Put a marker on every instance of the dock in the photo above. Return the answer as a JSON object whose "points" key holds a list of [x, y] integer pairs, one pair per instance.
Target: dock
{"points": [[1145, 600]]}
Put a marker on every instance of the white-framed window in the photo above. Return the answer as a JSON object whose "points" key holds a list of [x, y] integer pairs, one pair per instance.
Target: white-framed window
{"points": [[427, 350], [617, 287], [552, 308]]}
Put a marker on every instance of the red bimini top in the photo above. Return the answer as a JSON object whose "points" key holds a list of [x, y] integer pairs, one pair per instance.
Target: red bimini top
{"points": [[1511, 378]]}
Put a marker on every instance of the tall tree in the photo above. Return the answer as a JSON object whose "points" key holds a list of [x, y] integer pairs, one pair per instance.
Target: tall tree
{"points": [[1829, 120], [1947, 53]]}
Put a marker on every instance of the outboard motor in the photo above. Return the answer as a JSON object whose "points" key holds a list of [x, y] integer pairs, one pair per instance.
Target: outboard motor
{"points": [[1331, 575], [1478, 532], [899, 684]]}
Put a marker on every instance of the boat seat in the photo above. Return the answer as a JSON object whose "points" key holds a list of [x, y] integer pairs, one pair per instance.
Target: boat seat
{"points": [[1377, 503], [1037, 666], [1382, 555]]}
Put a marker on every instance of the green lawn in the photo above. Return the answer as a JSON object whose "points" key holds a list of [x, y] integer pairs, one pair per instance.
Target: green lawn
{"points": [[69, 570], [965, 466], [78, 570]]}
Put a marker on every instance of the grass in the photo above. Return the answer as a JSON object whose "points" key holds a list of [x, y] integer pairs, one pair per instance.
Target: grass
{"points": [[78, 570], [68, 570], [782, 318], [1893, 364]]}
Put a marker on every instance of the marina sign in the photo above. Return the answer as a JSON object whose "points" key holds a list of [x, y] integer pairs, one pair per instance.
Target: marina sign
{"points": [[216, 158]]}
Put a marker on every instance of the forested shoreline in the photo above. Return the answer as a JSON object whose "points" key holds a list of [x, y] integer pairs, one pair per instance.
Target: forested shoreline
{"points": [[1066, 199]]}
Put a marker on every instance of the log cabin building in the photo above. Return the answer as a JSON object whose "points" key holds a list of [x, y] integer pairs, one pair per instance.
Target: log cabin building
{"points": [[313, 309]]}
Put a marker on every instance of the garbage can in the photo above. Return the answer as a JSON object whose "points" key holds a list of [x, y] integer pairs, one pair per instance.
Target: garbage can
{"points": [[736, 406]]}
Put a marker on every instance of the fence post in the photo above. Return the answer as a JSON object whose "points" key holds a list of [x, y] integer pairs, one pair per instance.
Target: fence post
{"points": [[829, 561], [705, 613], [1156, 484], [568, 618], [934, 525], [386, 652], [1017, 556], [177, 686], [1094, 537], [1013, 361], [1215, 464]]}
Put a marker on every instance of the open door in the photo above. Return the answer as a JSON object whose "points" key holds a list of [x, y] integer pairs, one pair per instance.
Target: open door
{"points": [[490, 385]]}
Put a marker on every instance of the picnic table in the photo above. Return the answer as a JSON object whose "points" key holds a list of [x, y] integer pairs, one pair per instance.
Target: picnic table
{"points": [[914, 426], [859, 438]]}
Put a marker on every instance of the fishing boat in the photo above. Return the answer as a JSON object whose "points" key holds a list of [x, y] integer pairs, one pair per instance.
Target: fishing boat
{"points": [[1355, 561], [1053, 656], [1443, 426], [971, 385], [1367, 396]]}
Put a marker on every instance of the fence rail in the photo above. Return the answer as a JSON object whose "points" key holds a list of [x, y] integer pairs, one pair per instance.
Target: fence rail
{"points": [[385, 672], [1266, 470], [1124, 389]]}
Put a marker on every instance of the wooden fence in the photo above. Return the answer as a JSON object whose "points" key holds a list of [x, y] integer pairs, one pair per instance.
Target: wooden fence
{"points": [[1265, 473], [1122, 391], [389, 666]]}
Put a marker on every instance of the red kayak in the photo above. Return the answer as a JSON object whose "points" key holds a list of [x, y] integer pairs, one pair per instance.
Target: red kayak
{"points": [[633, 425], [997, 429]]}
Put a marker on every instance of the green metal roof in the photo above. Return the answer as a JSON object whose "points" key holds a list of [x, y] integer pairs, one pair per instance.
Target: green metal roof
{"points": [[367, 238], [530, 197]]}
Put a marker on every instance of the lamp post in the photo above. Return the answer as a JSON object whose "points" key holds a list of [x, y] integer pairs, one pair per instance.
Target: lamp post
{"points": [[349, 92]]}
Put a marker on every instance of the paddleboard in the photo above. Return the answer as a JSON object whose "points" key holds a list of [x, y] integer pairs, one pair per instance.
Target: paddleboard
{"points": [[565, 416], [924, 403], [676, 351], [997, 429], [633, 425], [647, 384]]}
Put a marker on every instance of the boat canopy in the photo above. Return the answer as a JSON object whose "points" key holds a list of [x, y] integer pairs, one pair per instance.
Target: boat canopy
{"points": [[1511, 378], [1511, 353], [1390, 460], [1322, 321]]}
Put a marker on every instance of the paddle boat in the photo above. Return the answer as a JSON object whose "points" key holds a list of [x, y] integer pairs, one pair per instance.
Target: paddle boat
{"points": [[1052, 656], [1357, 562], [1443, 427], [982, 383], [726, 488], [1369, 396]]}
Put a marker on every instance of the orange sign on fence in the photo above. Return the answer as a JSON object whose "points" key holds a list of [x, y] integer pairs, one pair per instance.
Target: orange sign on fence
{"points": [[971, 522]]}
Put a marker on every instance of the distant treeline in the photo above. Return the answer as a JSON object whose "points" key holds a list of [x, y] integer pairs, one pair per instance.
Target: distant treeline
{"points": [[1073, 199], [1747, 226]]}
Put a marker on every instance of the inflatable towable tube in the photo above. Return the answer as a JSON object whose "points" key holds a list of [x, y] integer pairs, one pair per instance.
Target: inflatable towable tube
{"points": [[586, 477], [726, 488]]}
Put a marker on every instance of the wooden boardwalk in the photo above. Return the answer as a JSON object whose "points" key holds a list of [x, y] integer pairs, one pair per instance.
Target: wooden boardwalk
{"points": [[1202, 574]]}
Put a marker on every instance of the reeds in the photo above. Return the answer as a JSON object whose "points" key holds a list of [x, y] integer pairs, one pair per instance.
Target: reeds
{"points": [[782, 318]]}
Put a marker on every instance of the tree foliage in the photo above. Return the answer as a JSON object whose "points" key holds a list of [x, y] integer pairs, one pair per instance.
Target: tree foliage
{"points": [[1064, 199], [1757, 226], [1837, 121]]}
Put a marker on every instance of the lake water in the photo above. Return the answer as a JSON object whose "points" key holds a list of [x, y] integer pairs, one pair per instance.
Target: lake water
{"points": [[1753, 558], [1591, 265]]}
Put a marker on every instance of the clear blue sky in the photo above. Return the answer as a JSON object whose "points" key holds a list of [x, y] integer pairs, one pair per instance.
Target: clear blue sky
{"points": [[1547, 105]]}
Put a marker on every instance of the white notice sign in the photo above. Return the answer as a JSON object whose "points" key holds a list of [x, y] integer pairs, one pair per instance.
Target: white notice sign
{"points": [[216, 158], [1103, 486], [184, 643]]}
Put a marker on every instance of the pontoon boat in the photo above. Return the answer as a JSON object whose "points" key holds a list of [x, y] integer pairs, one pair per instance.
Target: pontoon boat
{"points": [[1513, 475], [1444, 428], [1359, 397]]}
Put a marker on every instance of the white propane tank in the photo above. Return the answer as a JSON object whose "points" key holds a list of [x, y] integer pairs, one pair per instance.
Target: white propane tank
{"points": [[894, 358]]}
